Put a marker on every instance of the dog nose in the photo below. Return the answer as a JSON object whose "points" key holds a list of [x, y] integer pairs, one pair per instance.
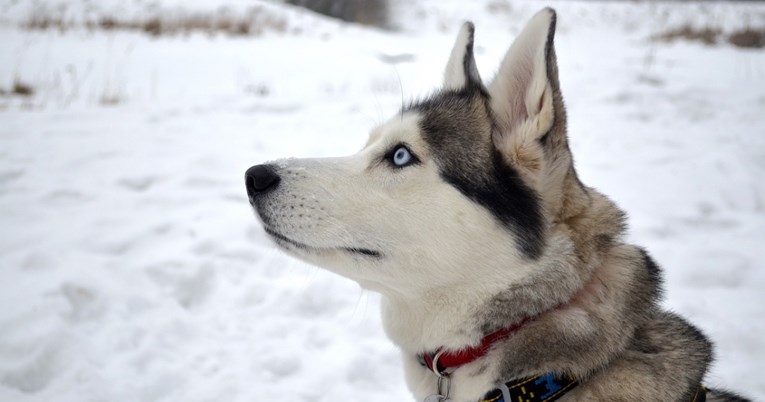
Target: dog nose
{"points": [[260, 179]]}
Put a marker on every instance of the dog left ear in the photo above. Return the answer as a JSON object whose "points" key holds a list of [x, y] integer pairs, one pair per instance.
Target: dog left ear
{"points": [[461, 70], [525, 95]]}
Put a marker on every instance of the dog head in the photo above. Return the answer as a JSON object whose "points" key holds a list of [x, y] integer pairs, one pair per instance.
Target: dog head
{"points": [[462, 185]]}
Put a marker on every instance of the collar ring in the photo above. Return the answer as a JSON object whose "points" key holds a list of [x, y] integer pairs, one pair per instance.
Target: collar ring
{"points": [[434, 364]]}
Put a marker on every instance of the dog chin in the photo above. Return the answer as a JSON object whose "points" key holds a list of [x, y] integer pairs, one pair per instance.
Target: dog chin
{"points": [[300, 249]]}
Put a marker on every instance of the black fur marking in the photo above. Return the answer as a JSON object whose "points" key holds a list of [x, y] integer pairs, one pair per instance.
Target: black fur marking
{"points": [[509, 200], [362, 251], [353, 250], [472, 78], [654, 272], [728, 396], [549, 45], [701, 354], [454, 124]]}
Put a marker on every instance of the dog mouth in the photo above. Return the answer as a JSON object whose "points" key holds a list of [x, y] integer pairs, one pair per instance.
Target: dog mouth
{"points": [[284, 240]]}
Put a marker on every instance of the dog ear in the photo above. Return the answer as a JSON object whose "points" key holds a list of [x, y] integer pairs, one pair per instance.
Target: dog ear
{"points": [[461, 70], [525, 97]]}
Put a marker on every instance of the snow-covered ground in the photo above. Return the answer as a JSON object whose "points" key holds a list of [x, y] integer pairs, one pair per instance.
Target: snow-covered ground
{"points": [[132, 269]]}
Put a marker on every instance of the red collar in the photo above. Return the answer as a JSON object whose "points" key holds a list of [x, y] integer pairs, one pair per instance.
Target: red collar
{"points": [[445, 360]]}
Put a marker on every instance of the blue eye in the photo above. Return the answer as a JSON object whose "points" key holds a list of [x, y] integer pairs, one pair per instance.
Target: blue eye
{"points": [[402, 156]]}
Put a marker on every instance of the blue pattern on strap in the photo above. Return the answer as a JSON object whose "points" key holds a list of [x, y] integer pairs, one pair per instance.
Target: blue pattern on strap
{"points": [[543, 388], [549, 382]]}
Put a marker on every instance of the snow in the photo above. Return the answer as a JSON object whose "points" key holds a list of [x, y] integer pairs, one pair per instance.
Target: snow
{"points": [[132, 268]]}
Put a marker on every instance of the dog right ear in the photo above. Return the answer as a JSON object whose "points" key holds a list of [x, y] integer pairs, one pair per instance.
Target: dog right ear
{"points": [[527, 104], [523, 94]]}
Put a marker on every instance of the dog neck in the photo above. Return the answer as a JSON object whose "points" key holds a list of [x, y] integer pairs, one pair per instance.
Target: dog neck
{"points": [[575, 324], [441, 360], [456, 318]]}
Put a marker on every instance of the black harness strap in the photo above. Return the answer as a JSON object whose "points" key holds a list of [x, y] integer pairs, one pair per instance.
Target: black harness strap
{"points": [[543, 388], [548, 388]]}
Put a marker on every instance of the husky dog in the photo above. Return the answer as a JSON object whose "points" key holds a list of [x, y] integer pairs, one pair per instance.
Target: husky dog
{"points": [[502, 276]]}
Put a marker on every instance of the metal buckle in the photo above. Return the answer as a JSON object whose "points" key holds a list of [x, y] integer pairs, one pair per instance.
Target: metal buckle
{"points": [[444, 384], [441, 379]]}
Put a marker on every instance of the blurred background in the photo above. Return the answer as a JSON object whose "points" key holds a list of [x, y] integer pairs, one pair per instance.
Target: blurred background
{"points": [[132, 268]]}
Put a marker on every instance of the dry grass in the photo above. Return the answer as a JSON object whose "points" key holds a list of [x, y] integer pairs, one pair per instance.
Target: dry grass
{"points": [[253, 22], [110, 99], [750, 38], [42, 20], [22, 89], [365, 12], [746, 37], [707, 36]]}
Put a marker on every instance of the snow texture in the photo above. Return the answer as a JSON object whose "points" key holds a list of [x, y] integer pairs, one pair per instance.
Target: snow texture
{"points": [[132, 268]]}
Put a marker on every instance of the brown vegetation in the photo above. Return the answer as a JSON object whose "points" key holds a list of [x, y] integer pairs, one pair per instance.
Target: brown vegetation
{"points": [[707, 36], [747, 37], [365, 12], [751, 38], [22, 89], [255, 21], [110, 99]]}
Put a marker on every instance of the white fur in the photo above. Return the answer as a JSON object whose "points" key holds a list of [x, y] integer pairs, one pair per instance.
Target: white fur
{"points": [[426, 278], [360, 201]]}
